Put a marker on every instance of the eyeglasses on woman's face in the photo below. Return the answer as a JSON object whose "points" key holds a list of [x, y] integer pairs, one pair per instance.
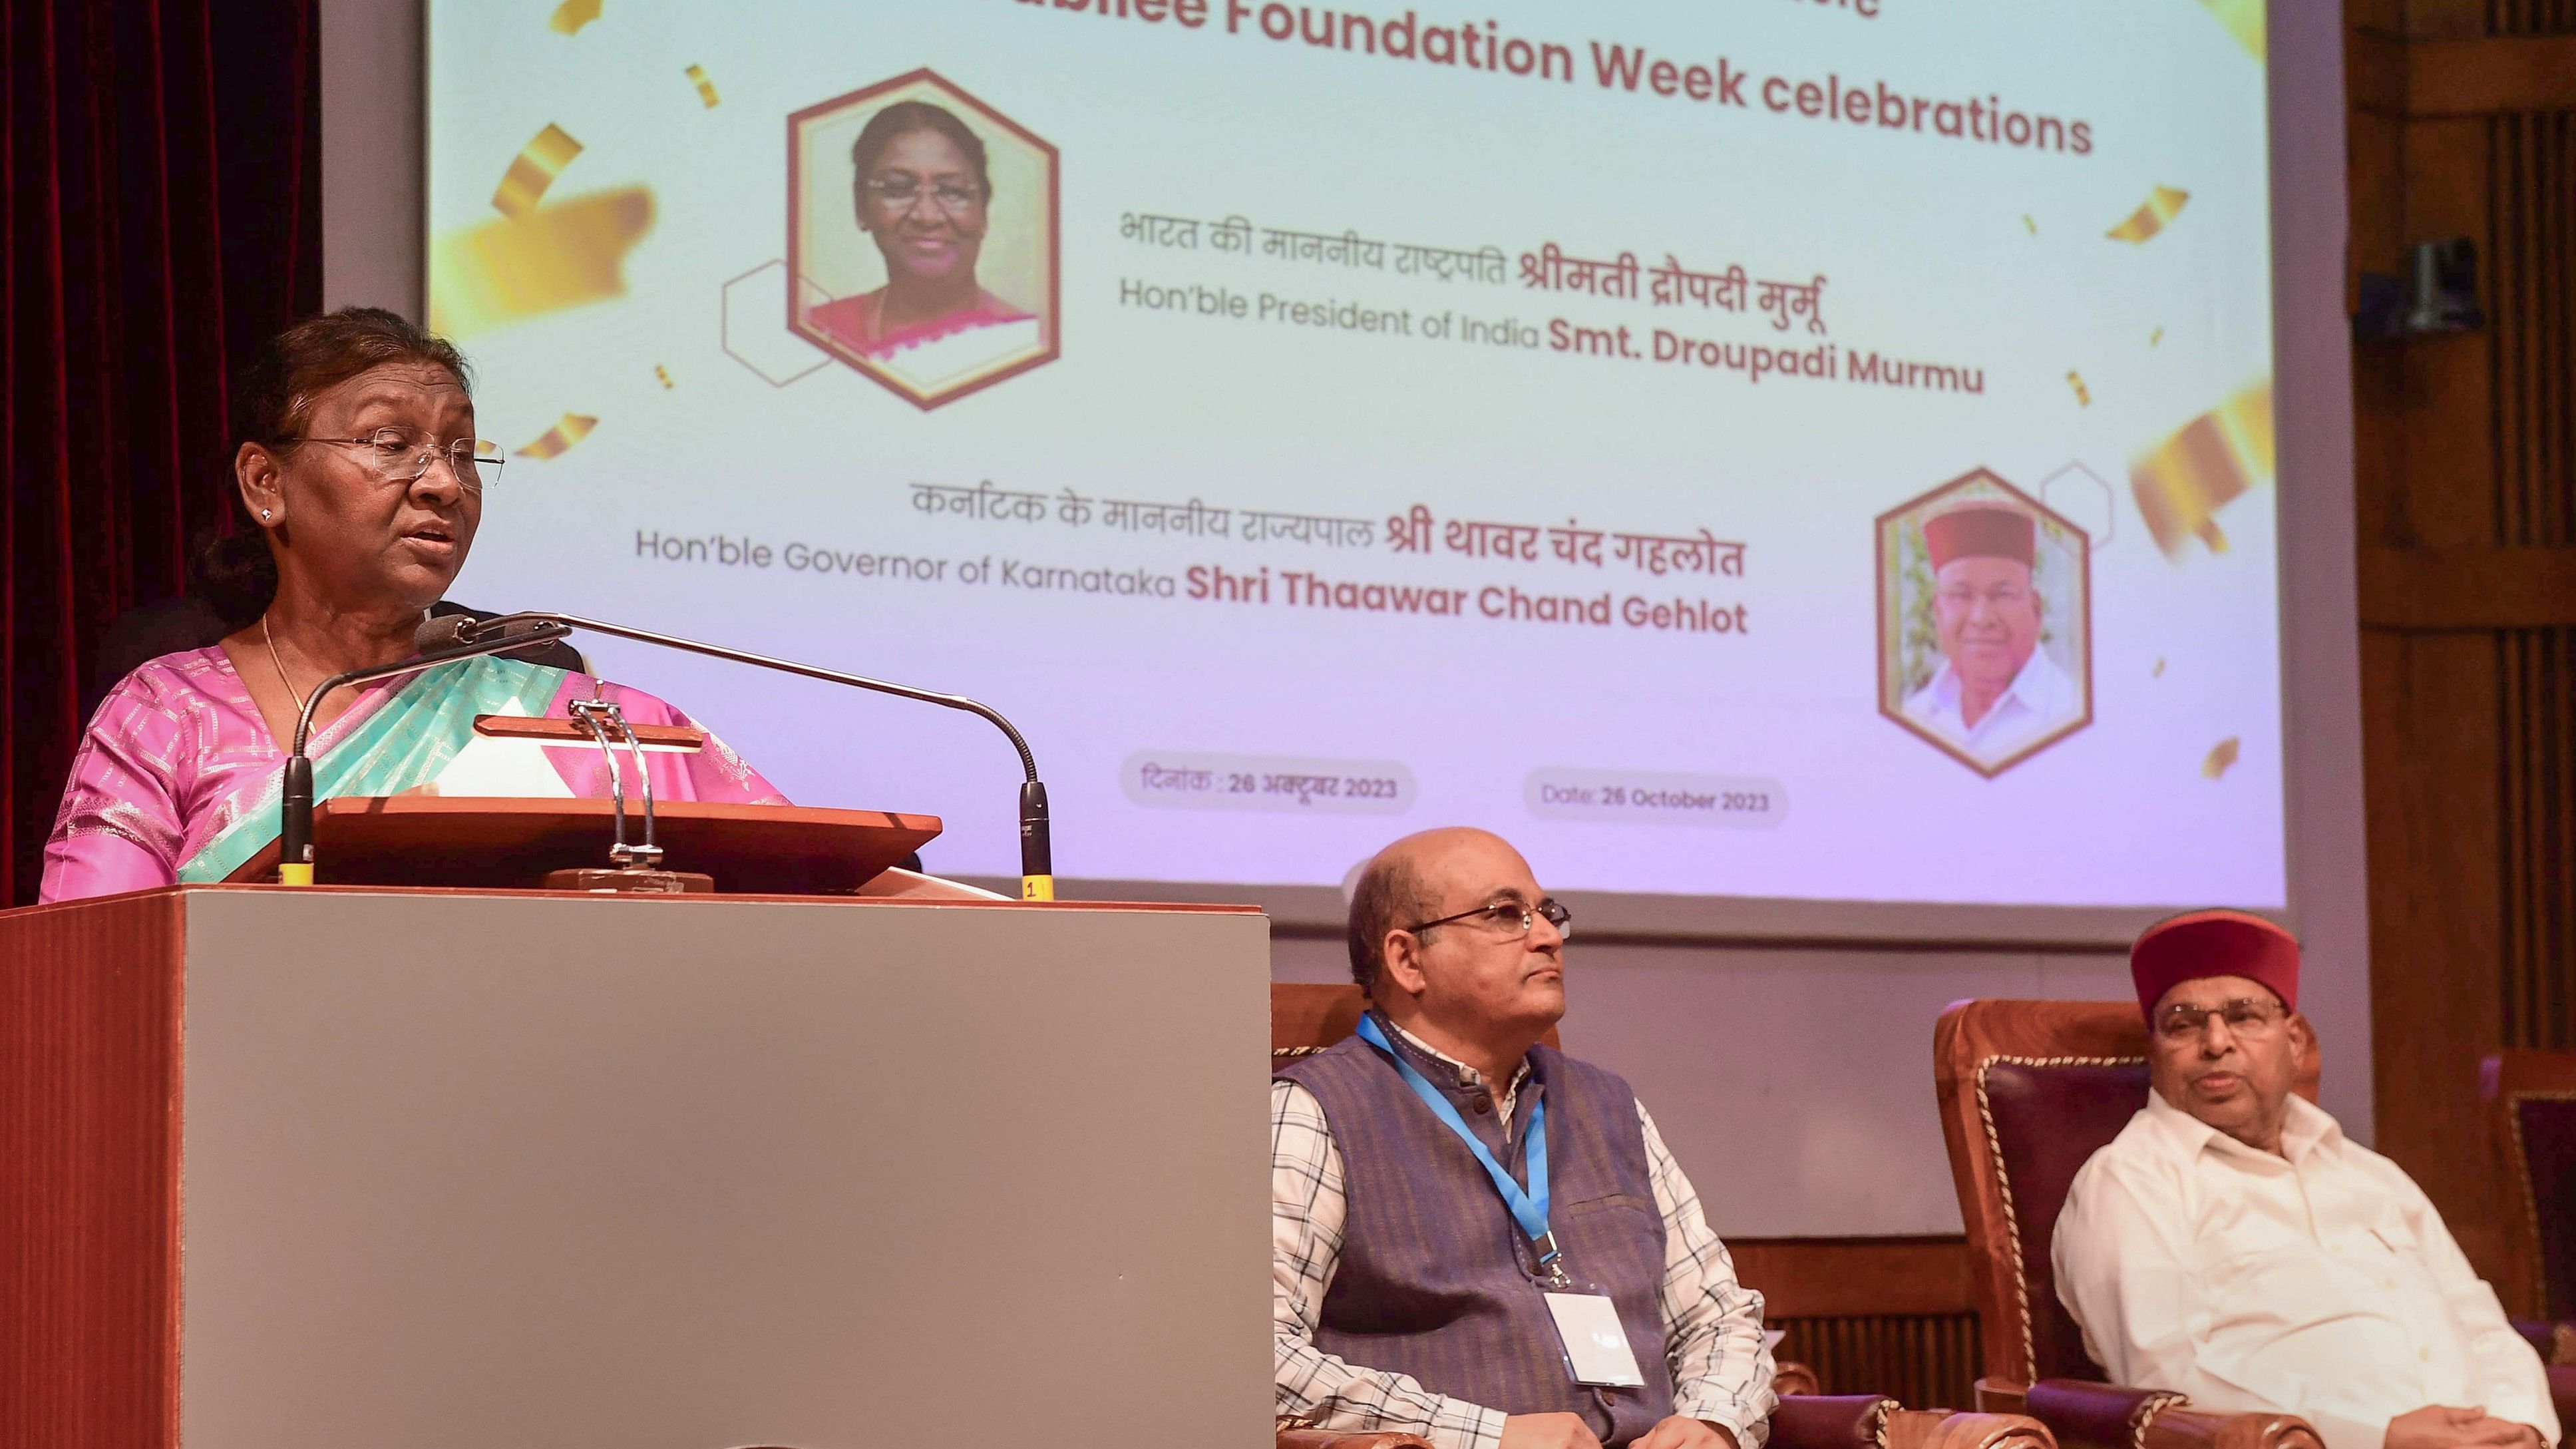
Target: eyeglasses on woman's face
{"points": [[900, 194], [401, 456]]}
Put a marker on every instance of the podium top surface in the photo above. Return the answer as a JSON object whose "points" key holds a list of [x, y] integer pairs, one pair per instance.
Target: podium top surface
{"points": [[432, 840], [175, 893]]}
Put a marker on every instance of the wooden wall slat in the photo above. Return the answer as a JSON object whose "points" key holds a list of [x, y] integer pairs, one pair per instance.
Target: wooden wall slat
{"points": [[2529, 72], [2509, 275], [2467, 521], [2531, 339], [1871, 1315], [2480, 588], [2436, 957], [2445, 400], [1857, 1277], [2446, 19], [2534, 363], [1927, 1362]]}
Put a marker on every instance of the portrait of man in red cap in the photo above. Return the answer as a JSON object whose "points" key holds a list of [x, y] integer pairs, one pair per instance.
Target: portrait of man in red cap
{"points": [[1994, 692]]}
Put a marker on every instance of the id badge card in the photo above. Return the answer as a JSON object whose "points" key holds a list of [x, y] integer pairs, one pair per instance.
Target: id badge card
{"points": [[1596, 1343]]}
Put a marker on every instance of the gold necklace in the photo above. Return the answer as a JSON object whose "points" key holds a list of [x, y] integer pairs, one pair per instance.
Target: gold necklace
{"points": [[271, 641]]}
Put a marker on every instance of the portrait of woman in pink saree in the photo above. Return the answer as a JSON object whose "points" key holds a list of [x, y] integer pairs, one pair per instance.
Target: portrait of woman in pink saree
{"points": [[925, 189]]}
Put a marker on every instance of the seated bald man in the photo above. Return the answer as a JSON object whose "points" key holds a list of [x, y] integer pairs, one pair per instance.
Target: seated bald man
{"points": [[2231, 1245], [1475, 1238]]}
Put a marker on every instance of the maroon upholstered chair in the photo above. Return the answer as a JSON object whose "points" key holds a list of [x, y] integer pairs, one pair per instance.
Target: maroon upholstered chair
{"points": [[2029, 1090], [1307, 1019], [2532, 1096]]}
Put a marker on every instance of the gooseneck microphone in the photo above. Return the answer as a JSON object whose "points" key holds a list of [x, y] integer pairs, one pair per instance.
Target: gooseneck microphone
{"points": [[511, 631], [437, 643]]}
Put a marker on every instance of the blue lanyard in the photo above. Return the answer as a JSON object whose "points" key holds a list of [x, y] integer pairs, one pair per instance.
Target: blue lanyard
{"points": [[1529, 1209]]}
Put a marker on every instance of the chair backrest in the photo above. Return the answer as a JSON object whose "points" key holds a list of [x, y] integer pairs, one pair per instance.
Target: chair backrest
{"points": [[2533, 1098], [2029, 1091], [1306, 1018]]}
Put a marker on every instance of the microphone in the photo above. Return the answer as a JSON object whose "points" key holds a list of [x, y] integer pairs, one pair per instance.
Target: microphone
{"points": [[511, 631], [436, 645], [451, 631]]}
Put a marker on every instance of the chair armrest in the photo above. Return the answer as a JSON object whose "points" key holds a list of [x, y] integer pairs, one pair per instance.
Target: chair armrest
{"points": [[1831, 1421], [1941, 1429], [1869, 1421], [2110, 1416], [2562, 1392], [1330, 1439], [2096, 1416], [2193, 1429]]}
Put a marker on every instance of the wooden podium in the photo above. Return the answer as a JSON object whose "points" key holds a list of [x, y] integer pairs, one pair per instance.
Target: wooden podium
{"points": [[400, 1167]]}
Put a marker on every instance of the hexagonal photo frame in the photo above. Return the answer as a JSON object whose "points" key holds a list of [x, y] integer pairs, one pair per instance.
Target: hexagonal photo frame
{"points": [[1985, 622], [936, 274]]}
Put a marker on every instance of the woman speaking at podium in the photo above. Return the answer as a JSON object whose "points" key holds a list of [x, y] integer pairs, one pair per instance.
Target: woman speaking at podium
{"points": [[360, 469]]}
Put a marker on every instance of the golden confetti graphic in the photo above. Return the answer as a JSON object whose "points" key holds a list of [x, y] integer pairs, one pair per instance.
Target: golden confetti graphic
{"points": [[2155, 337], [2159, 671], [2083, 394], [2183, 481], [560, 437], [572, 15], [2220, 757], [663, 373], [2161, 208], [2243, 19], [2031, 225], [706, 87], [483, 278], [538, 164]]}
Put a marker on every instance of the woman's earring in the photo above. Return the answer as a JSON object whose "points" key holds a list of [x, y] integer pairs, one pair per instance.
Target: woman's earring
{"points": [[263, 513]]}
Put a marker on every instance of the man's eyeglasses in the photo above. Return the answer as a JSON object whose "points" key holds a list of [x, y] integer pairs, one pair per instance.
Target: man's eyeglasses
{"points": [[1511, 919], [2002, 596], [396, 456], [905, 194], [2245, 1016]]}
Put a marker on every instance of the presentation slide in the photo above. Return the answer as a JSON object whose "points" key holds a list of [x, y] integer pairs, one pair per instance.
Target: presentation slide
{"points": [[1811, 449]]}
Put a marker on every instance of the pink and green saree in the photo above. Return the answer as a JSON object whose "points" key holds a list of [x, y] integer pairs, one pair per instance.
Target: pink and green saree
{"points": [[176, 780]]}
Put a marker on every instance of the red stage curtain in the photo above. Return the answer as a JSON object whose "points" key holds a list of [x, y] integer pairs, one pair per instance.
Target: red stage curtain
{"points": [[162, 168]]}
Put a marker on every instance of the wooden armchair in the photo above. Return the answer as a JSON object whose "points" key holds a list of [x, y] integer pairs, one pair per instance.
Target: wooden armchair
{"points": [[1307, 1019], [2532, 1098], [2029, 1090]]}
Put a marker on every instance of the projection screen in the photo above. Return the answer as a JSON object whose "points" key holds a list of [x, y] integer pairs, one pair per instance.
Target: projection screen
{"points": [[1807, 450]]}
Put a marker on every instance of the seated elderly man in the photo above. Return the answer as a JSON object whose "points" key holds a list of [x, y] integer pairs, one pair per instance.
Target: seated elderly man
{"points": [[2231, 1245], [1475, 1238]]}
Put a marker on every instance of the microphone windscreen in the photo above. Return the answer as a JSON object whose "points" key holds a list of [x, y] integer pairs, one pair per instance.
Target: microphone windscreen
{"points": [[444, 632]]}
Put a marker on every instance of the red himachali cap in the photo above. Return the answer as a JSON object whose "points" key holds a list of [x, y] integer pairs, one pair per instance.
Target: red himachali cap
{"points": [[1981, 530], [2213, 943]]}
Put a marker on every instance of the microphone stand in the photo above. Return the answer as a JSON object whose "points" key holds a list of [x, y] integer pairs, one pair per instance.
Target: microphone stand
{"points": [[295, 792], [1037, 851]]}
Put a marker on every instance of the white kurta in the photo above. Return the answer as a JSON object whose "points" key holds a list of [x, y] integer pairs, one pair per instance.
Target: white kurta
{"points": [[2322, 1283], [2041, 698]]}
